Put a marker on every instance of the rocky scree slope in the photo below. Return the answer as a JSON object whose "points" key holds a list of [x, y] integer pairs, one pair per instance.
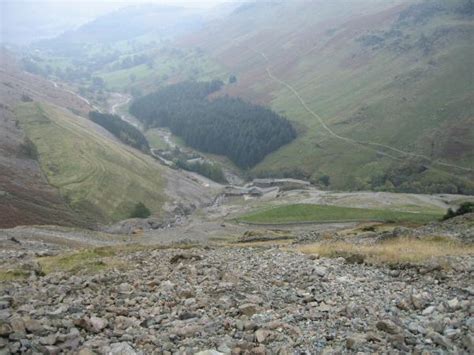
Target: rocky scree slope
{"points": [[240, 301]]}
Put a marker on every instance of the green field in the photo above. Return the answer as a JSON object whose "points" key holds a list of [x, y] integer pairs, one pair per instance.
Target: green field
{"points": [[99, 177], [305, 213]]}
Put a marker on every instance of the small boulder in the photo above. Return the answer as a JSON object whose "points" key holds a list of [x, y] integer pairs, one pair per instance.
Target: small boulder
{"points": [[439, 339], [120, 349], [18, 325], [248, 309], [97, 324], [92, 324], [259, 350], [453, 304], [355, 341], [262, 335], [321, 271], [48, 340], [33, 326], [125, 288], [388, 326], [428, 310], [419, 301], [5, 330]]}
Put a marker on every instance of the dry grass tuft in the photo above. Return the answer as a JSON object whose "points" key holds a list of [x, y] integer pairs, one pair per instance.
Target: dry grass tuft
{"points": [[13, 274], [400, 250], [90, 261], [84, 261]]}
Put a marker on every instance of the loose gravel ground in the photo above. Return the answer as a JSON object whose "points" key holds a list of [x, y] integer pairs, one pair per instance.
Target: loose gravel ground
{"points": [[240, 301]]}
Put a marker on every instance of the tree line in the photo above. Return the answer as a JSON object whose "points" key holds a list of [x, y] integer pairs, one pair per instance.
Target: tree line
{"points": [[244, 132], [124, 131]]}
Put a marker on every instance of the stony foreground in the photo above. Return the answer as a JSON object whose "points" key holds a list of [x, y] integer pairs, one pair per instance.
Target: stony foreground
{"points": [[233, 300]]}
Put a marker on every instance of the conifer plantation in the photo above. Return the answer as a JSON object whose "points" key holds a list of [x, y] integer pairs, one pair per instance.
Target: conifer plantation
{"points": [[228, 126]]}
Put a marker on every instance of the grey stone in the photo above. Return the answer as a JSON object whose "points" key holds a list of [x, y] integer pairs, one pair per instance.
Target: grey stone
{"points": [[321, 271], [453, 304], [355, 341], [262, 335], [428, 310], [440, 340], [121, 349], [248, 309], [388, 326]]}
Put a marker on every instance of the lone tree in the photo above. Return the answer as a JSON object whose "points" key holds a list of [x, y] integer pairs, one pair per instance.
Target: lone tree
{"points": [[140, 211]]}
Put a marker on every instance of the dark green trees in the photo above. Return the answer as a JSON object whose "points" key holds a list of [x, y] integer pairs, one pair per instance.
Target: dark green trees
{"points": [[243, 132], [121, 129]]}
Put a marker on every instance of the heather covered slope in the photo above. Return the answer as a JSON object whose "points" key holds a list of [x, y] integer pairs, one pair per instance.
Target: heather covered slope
{"points": [[382, 92]]}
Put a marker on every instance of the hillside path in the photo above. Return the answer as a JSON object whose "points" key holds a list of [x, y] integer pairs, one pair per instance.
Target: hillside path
{"points": [[350, 140]]}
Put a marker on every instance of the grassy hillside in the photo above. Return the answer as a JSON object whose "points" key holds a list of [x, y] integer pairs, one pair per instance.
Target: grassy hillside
{"points": [[317, 213], [381, 91], [100, 178]]}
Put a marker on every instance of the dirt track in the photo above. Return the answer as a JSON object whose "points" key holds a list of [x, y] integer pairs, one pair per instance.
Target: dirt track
{"points": [[403, 153]]}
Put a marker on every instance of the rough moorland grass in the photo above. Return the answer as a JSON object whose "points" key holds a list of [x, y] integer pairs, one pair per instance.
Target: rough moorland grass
{"points": [[101, 178], [85, 261], [13, 274], [90, 261], [400, 250], [302, 213]]}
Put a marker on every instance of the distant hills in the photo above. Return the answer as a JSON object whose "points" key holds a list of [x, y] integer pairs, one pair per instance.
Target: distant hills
{"points": [[154, 22], [25, 21]]}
